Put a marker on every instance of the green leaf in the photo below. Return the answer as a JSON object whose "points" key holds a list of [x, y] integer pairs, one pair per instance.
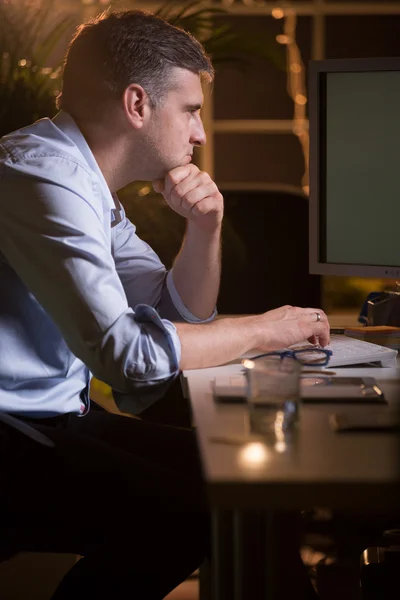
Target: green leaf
{"points": [[29, 32], [222, 42]]}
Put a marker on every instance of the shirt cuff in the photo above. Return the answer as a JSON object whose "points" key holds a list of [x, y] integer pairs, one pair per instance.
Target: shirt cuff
{"points": [[147, 314], [147, 392], [181, 308]]}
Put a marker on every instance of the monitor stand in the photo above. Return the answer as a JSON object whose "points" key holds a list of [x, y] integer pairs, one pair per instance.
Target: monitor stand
{"points": [[385, 309]]}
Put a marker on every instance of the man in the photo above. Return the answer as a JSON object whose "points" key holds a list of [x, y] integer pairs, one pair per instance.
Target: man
{"points": [[81, 294]]}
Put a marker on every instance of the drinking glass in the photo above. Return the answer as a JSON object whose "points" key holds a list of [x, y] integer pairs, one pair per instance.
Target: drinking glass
{"points": [[273, 392]]}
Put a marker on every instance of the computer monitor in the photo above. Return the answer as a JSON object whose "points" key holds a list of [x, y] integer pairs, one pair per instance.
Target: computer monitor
{"points": [[354, 115]]}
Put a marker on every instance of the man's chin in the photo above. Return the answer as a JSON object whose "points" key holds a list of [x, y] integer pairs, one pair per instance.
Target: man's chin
{"points": [[180, 163], [167, 169]]}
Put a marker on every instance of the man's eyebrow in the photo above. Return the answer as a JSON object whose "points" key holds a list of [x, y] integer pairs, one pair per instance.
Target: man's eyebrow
{"points": [[196, 106]]}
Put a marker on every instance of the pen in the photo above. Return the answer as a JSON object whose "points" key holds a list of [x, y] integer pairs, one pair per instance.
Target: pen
{"points": [[318, 373]]}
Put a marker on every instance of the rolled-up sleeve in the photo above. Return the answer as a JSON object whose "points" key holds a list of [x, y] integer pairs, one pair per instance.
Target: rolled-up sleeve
{"points": [[152, 389], [55, 240]]}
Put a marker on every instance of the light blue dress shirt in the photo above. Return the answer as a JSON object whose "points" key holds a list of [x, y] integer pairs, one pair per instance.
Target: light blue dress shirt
{"points": [[80, 293]]}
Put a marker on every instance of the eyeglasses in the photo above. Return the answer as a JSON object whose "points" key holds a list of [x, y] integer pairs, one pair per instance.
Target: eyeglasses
{"points": [[309, 357]]}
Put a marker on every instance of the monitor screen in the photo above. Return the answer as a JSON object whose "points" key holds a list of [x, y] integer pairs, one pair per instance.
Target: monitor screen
{"points": [[355, 167]]}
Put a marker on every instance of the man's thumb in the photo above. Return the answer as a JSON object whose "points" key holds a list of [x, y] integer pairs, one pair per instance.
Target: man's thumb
{"points": [[158, 185]]}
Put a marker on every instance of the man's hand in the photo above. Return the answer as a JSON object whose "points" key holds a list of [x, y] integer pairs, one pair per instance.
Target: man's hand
{"points": [[192, 194], [226, 339], [288, 325]]}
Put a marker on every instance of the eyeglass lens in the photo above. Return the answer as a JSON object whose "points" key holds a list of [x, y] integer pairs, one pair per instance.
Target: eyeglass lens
{"points": [[315, 356]]}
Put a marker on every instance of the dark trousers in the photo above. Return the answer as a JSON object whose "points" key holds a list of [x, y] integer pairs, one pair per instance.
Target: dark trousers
{"points": [[125, 494]]}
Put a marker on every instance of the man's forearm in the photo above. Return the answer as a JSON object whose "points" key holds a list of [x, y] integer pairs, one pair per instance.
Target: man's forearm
{"points": [[192, 194], [216, 343], [197, 270]]}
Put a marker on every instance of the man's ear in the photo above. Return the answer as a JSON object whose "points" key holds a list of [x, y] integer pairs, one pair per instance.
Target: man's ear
{"points": [[135, 104]]}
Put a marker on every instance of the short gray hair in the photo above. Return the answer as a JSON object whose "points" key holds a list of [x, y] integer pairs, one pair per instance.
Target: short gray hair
{"points": [[117, 49]]}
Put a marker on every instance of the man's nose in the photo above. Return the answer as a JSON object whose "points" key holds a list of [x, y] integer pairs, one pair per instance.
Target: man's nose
{"points": [[199, 137]]}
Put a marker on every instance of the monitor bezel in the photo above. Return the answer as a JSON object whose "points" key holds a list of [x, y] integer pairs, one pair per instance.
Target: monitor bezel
{"points": [[317, 87]]}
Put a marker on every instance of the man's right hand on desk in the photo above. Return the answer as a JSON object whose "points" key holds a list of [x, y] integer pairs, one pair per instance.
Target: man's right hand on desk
{"points": [[226, 339], [287, 325]]}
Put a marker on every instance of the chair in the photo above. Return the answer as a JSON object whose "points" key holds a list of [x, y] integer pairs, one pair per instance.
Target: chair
{"points": [[265, 252]]}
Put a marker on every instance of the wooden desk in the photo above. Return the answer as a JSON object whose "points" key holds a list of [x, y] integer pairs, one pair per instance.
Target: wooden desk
{"points": [[355, 472]]}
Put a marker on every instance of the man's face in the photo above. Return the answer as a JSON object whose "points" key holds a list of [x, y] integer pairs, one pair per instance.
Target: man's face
{"points": [[175, 127]]}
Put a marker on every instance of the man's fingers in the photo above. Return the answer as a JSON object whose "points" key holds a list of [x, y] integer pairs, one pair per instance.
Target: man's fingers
{"points": [[320, 330], [197, 196], [205, 206], [192, 194], [177, 175], [318, 326], [173, 178], [192, 189]]}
